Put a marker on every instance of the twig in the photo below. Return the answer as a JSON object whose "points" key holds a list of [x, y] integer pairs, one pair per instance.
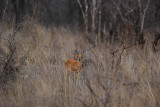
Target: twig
{"points": [[12, 48], [142, 25], [125, 47], [4, 11], [113, 54], [120, 13], [13, 37], [82, 10]]}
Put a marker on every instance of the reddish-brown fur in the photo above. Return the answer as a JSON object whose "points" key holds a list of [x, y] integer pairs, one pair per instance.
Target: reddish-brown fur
{"points": [[73, 65]]}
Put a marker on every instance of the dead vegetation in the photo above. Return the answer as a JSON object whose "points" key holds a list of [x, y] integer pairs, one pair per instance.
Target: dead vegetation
{"points": [[119, 74]]}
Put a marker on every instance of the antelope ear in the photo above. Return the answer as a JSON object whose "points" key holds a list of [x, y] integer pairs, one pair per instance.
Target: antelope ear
{"points": [[75, 52]]}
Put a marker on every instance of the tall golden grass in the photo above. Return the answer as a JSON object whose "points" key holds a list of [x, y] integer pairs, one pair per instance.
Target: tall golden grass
{"points": [[107, 80]]}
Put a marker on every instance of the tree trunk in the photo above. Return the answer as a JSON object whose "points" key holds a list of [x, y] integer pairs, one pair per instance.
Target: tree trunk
{"points": [[21, 5], [140, 22], [86, 16], [94, 21], [14, 3], [99, 21]]}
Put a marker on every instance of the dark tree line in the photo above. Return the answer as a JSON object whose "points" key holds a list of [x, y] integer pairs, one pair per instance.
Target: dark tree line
{"points": [[96, 17]]}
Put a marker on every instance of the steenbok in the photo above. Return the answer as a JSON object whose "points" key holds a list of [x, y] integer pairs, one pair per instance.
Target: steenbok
{"points": [[73, 65]]}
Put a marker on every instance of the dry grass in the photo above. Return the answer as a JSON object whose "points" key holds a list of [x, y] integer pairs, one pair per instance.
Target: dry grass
{"points": [[106, 80]]}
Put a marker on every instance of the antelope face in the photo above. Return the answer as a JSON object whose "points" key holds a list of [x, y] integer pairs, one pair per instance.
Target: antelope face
{"points": [[79, 57]]}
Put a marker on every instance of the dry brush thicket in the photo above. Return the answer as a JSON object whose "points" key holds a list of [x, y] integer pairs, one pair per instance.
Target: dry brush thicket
{"points": [[112, 75]]}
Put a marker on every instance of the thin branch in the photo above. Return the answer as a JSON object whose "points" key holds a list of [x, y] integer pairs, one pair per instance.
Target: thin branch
{"points": [[142, 25], [4, 11], [120, 13], [83, 13], [124, 48]]}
